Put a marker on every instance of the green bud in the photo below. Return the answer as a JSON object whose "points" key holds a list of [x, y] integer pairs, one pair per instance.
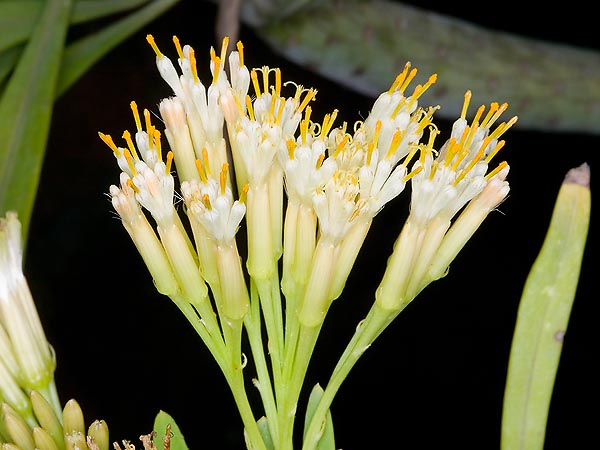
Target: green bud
{"points": [[17, 429], [98, 431], [47, 419], [75, 440], [43, 440], [73, 418]]}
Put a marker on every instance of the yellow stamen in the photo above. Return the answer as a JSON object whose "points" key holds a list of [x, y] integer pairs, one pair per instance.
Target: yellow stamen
{"points": [[109, 141], [493, 153], [370, 149], [320, 160], [129, 183], [223, 177], [411, 154], [265, 73], [244, 193], [280, 112], [341, 145], [169, 162], [249, 107], [463, 113], [376, 133], [130, 162], [501, 109], [396, 139], [178, 47], [501, 166], [158, 144], [136, 115], [399, 79], [127, 137], [206, 201], [412, 173], [304, 124], [205, 161], [486, 121], [407, 81], [192, 56], [278, 81], [224, 46], [501, 129], [254, 78], [453, 148], [291, 147], [147, 120], [217, 67], [150, 40], [467, 169], [478, 115], [201, 172], [240, 49], [307, 98]]}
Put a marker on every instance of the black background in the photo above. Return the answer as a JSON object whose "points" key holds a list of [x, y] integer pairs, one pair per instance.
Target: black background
{"points": [[434, 379]]}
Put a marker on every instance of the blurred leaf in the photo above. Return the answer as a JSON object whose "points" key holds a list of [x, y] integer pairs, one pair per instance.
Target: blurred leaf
{"points": [[543, 317], [326, 440], [263, 427], [81, 55], [18, 17], [161, 422], [26, 108], [8, 59]]}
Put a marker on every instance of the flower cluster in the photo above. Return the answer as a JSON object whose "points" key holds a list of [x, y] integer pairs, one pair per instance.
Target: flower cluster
{"points": [[248, 154]]}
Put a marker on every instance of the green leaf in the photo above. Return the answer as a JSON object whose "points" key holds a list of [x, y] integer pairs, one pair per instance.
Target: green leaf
{"points": [[8, 59], [326, 439], [26, 109], [161, 422], [543, 316], [81, 55], [19, 17]]}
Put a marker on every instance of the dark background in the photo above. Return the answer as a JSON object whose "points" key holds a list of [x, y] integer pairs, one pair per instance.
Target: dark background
{"points": [[435, 378]]}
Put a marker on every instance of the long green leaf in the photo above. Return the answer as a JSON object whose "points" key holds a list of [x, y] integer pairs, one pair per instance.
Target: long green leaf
{"points": [[543, 317], [326, 438], [8, 59], [18, 17], [26, 108], [81, 55]]}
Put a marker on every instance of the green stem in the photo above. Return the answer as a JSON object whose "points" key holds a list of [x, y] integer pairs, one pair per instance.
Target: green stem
{"points": [[252, 322], [294, 380], [368, 330]]}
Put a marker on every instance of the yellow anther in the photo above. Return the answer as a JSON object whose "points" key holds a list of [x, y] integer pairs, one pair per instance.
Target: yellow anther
{"points": [[265, 75], [254, 78], [201, 172], [501, 129], [501, 166], [451, 151], [499, 112], [341, 145], [129, 183], [407, 80], [310, 95], [240, 49], [465, 107], [147, 120], [281, 108], [412, 173], [130, 146], [291, 147], [206, 201], [496, 149], [278, 81], [224, 46], [378, 125], [370, 149], [150, 40], [136, 115], [396, 139], [328, 123], [223, 177], [107, 139], [158, 144], [216, 68], [178, 47], [320, 160], [486, 121], [193, 66], [399, 79], [249, 107], [468, 168], [304, 125], [169, 162], [205, 161], [244, 193], [130, 162], [479, 113], [432, 79], [272, 107]]}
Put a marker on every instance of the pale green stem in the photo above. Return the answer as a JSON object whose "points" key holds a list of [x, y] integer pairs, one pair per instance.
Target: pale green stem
{"points": [[252, 322], [273, 325], [368, 330], [294, 379]]}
